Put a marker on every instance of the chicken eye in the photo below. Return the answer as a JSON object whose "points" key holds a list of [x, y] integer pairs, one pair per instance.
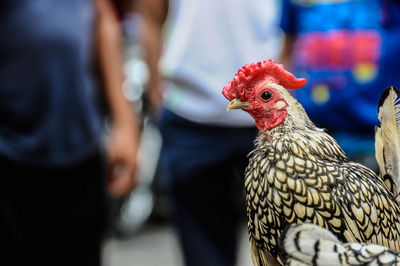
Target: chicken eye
{"points": [[266, 95]]}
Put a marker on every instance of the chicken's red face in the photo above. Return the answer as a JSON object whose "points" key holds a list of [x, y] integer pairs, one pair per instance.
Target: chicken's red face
{"points": [[259, 89], [268, 107]]}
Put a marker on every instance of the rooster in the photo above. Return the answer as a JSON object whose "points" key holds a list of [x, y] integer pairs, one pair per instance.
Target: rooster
{"points": [[299, 174], [309, 244]]}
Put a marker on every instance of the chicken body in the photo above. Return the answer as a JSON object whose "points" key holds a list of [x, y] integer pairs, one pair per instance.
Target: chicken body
{"points": [[299, 174]]}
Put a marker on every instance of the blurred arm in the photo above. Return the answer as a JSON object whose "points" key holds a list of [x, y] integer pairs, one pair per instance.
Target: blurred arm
{"points": [[154, 13], [122, 145], [287, 50], [288, 24]]}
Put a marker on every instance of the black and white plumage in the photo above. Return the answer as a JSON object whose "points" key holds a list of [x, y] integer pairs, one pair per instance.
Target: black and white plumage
{"points": [[309, 244], [300, 175]]}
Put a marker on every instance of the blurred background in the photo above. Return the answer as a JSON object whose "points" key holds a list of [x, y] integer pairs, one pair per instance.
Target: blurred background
{"points": [[140, 231]]}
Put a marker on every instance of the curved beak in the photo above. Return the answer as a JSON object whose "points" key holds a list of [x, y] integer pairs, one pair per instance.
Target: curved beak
{"points": [[236, 104]]}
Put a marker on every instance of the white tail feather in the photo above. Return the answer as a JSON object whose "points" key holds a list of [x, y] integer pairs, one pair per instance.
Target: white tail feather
{"points": [[300, 242], [387, 136], [309, 244]]}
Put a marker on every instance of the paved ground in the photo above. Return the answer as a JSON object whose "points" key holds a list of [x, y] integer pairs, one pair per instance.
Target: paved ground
{"points": [[156, 245]]}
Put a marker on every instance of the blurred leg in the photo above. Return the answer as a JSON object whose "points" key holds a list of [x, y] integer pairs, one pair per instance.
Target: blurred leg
{"points": [[206, 223], [80, 213], [51, 216], [21, 222], [203, 191]]}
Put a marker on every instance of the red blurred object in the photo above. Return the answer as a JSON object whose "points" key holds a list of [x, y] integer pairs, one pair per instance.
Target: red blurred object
{"points": [[338, 50]]}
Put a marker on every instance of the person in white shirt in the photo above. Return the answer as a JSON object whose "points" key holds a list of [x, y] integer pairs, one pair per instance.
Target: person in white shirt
{"points": [[205, 148]]}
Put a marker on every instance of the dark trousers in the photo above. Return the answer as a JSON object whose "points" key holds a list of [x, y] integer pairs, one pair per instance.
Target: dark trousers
{"points": [[203, 167], [51, 215]]}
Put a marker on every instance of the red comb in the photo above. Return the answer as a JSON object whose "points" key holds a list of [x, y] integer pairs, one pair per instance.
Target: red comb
{"points": [[254, 72]]}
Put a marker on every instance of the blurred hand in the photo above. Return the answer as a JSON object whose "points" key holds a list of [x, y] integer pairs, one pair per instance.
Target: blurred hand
{"points": [[122, 148], [123, 143]]}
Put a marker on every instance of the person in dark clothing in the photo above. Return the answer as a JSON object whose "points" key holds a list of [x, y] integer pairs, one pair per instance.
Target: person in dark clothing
{"points": [[53, 171]]}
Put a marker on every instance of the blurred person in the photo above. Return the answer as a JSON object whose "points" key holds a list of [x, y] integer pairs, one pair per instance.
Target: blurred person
{"points": [[205, 147], [52, 164], [348, 51]]}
